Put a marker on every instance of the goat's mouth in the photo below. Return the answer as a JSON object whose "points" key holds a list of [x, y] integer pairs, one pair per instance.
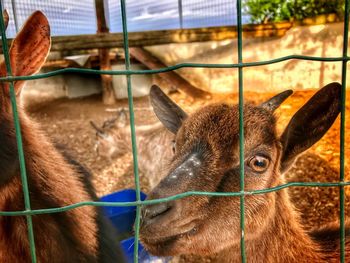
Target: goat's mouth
{"points": [[162, 244], [164, 239]]}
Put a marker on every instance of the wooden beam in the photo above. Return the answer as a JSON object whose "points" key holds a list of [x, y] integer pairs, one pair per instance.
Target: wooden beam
{"points": [[60, 63], [108, 96], [172, 77], [149, 38]]}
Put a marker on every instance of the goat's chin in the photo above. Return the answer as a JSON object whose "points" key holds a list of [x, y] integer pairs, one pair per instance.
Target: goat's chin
{"points": [[195, 242], [183, 244], [162, 247], [168, 243]]}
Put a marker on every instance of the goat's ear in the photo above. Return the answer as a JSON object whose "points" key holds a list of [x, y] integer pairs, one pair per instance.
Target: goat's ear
{"points": [[310, 123], [30, 48], [122, 119], [276, 101], [99, 131], [167, 111]]}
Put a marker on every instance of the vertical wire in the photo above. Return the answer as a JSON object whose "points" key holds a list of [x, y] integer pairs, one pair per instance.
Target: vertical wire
{"points": [[132, 127], [342, 133], [19, 140], [241, 128]]}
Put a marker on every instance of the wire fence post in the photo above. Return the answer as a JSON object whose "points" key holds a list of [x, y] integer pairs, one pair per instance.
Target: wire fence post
{"points": [[342, 133], [132, 127], [241, 128]]}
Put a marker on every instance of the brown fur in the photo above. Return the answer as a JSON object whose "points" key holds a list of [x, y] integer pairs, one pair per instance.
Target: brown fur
{"points": [[207, 159], [52, 183], [71, 236]]}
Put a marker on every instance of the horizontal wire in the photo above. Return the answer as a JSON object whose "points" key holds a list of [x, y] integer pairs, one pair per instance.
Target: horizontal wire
{"points": [[171, 68], [171, 198]]}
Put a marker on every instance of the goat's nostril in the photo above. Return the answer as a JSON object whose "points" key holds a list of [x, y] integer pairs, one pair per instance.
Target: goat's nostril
{"points": [[156, 210]]}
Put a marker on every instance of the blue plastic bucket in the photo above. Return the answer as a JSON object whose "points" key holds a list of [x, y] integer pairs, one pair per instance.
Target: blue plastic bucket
{"points": [[128, 248], [123, 218]]}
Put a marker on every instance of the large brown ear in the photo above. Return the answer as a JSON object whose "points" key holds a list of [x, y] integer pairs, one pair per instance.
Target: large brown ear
{"points": [[30, 48], [167, 111], [310, 123]]}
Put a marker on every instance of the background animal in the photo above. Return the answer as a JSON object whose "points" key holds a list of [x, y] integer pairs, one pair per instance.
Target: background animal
{"points": [[154, 143], [207, 159], [54, 179]]}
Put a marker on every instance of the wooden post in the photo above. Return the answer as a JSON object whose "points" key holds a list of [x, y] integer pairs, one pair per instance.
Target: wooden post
{"points": [[108, 96], [150, 61]]}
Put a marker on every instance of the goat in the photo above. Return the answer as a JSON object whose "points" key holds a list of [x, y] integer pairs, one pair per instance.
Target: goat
{"points": [[207, 159], [54, 179], [154, 144]]}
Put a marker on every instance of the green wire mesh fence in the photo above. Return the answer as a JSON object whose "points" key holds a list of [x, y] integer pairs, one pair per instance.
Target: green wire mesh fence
{"points": [[28, 212]]}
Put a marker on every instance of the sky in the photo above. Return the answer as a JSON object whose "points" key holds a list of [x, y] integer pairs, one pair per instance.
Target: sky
{"points": [[72, 17]]}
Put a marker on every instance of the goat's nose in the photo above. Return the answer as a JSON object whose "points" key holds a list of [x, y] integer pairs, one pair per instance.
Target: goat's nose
{"points": [[153, 211]]}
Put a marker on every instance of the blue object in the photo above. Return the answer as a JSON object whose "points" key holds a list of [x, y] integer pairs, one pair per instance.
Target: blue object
{"points": [[128, 248], [123, 218]]}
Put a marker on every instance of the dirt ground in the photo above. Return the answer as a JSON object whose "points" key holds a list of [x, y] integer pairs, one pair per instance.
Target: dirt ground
{"points": [[67, 122]]}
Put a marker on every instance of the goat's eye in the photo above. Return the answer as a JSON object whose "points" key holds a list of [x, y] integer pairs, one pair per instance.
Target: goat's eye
{"points": [[173, 146], [259, 163]]}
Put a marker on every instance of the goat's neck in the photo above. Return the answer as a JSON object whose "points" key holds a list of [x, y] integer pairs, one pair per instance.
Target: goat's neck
{"points": [[8, 147], [283, 240], [50, 177]]}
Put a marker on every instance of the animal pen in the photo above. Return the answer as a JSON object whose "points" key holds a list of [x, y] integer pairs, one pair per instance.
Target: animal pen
{"points": [[241, 65]]}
